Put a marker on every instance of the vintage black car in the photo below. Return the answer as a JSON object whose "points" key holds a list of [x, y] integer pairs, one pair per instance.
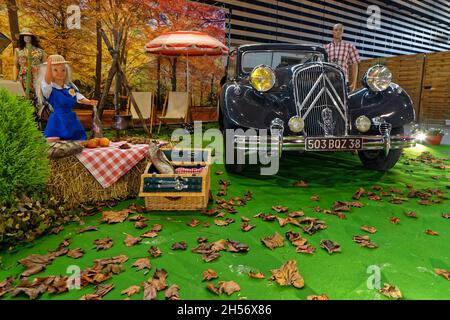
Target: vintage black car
{"points": [[304, 103]]}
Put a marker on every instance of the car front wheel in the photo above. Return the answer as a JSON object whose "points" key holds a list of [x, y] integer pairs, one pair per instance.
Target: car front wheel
{"points": [[377, 159]]}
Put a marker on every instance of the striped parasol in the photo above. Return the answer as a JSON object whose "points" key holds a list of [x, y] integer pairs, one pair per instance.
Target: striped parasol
{"points": [[186, 43]]}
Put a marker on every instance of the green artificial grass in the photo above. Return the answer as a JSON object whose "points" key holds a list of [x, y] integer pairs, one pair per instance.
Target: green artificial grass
{"points": [[406, 255]]}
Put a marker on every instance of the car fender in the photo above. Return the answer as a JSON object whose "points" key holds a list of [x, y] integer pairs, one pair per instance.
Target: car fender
{"points": [[393, 104]]}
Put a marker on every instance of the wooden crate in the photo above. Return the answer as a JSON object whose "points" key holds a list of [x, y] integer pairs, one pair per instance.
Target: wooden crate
{"points": [[166, 191]]}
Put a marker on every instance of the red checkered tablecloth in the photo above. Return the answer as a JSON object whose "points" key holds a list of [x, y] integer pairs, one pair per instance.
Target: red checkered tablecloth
{"points": [[108, 164]]}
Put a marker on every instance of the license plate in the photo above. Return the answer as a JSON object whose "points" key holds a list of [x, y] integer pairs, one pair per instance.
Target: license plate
{"points": [[333, 144]]}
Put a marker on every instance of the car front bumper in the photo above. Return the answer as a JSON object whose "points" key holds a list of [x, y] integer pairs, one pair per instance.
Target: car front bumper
{"points": [[273, 143]]}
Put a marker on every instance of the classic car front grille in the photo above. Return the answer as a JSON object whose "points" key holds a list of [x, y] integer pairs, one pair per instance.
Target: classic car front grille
{"points": [[320, 99]]}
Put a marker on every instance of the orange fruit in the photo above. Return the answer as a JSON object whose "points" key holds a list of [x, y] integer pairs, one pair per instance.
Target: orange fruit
{"points": [[92, 143], [104, 142]]}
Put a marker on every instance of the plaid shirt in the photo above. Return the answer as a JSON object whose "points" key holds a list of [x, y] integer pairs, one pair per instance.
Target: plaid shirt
{"points": [[342, 53]]}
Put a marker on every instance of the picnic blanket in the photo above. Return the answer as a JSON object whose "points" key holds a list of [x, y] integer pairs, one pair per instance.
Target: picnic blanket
{"points": [[109, 164]]}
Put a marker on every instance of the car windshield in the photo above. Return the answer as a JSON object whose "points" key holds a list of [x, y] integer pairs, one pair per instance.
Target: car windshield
{"points": [[277, 59]]}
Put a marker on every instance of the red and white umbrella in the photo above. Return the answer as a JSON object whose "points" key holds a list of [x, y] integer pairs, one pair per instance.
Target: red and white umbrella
{"points": [[189, 43], [186, 43]]}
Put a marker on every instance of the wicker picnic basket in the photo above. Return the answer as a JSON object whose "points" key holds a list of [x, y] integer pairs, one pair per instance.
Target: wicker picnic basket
{"points": [[179, 191]]}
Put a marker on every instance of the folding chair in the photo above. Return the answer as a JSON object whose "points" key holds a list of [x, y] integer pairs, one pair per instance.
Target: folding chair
{"points": [[13, 87], [176, 107], [144, 101]]}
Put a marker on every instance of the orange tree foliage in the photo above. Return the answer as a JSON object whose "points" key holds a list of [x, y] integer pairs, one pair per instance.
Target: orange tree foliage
{"points": [[147, 19]]}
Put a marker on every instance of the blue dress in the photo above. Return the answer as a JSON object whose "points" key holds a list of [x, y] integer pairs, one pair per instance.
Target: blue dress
{"points": [[63, 122]]}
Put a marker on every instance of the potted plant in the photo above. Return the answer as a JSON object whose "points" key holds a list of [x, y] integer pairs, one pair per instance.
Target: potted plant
{"points": [[434, 136]]}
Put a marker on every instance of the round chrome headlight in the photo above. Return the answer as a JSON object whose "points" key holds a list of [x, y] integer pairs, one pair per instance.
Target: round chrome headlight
{"points": [[262, 78], [363, 124], [378, 78]]}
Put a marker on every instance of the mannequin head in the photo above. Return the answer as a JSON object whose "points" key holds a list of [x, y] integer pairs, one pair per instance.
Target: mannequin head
{"points": [[25, 39], [338, 30]]}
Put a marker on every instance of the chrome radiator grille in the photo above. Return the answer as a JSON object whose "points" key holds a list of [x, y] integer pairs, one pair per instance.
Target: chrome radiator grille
{"points": [[320, 99]]}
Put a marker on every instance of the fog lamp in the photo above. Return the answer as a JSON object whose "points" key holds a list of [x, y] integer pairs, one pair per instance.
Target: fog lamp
{"points": [[363, 124], [296, 124]]}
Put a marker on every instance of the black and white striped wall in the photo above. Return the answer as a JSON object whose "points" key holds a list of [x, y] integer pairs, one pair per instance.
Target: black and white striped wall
{"points": [[406, 26]]}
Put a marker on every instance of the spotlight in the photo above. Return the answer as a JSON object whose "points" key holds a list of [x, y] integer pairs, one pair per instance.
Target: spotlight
{"points": [[420, 136]]}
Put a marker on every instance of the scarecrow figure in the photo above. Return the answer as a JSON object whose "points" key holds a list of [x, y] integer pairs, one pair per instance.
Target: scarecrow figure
{"points": [[27, 57], [56, 87]]}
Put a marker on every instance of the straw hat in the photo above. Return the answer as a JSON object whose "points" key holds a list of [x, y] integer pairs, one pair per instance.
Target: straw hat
{"points": [[57, 59], [26, 32]]}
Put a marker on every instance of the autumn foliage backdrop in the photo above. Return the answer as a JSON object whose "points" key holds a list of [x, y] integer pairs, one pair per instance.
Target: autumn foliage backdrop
{"points": [[148, 19]]}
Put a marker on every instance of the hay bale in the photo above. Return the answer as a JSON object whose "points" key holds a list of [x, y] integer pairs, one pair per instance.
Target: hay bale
{"points": [[73, 184]]}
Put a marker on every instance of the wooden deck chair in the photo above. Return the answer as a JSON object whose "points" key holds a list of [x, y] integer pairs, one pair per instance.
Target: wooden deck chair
{"points": [[176, 107], [13, 87], [144, 100]]}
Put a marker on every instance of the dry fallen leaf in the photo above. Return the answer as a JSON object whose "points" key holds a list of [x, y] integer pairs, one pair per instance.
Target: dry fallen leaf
{"points": [[149, 292], [208, 257], [140, 225], [143, 263], [358, 193], [103, 244], [306, 248], [212, 288], [179, 245], [115, 216], [75, 253], [149, 234], [364, 241], [256, 275], [154, 251], [394, 220], [443, 272], [411, 214], [296, 214], [341, 206], [369, 229], [391, 291], [446, 215], [374, 198], [131, 290], [300, 184], [194, 223], [330, 246], [236, 246], [431, 232], [246, 227], [158, 281], [221, 223], [219, 173], [131, 241], [318, 297], [314, 226], [280, 209], [315, 197], [172, 293], [209, 274], [90, 228], [274, 241], [287, 275], [296, 239], [137, 217], [202, 239], [245, 219], [228, 287]]}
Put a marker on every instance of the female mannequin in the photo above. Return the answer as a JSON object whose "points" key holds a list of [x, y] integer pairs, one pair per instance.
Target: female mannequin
{"points": [[27, 58]]}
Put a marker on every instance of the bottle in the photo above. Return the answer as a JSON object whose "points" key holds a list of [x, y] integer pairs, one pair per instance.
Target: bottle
{"points": [[96, 128]]}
